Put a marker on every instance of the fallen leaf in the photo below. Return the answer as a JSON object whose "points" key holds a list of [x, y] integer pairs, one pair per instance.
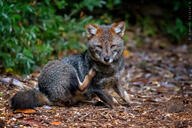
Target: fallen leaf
{"points": [[39, 42], [9, 70], [155, 83], [27, 111], [140, 80], [32, 122], [114, 94], [127, 54], [55, 123]]}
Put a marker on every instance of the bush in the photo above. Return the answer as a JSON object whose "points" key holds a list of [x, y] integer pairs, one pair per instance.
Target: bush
{"points": [[174, 26], [33, 32]]}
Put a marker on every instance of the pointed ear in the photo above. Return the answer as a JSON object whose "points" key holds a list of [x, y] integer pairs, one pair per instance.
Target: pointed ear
{"points": [[91, 30], [119, 28]]}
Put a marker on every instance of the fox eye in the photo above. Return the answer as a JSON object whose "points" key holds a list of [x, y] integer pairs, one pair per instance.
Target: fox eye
{"points": [[113, 46], [98, 47]]}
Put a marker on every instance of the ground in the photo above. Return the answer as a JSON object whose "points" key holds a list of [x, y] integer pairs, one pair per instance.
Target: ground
{"points": [[159, 80]]}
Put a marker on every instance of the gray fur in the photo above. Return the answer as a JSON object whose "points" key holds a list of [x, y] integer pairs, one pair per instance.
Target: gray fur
{"points": [[107, 75], [58, 80]]}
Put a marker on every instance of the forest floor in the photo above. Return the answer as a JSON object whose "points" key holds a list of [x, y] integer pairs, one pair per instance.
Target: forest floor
{"points": [[159, 80]]}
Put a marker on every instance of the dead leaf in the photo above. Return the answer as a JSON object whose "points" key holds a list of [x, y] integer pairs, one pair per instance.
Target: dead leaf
{"points": [[127, 54], [114, 94], [39, 42], [155, 83], [55, 123], [27, 111], [32, 122], [9, 70], [140, 80]]}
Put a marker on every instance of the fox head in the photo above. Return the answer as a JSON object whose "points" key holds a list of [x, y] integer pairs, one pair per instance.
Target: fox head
{"points": [[105, 43]]}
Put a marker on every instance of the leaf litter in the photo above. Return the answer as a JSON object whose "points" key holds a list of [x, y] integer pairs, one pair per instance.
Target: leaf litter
{"points": [[159, 82]]}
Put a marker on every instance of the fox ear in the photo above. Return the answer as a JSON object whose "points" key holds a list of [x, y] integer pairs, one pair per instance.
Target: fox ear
{"points": [[119, 28], [91, 30]]}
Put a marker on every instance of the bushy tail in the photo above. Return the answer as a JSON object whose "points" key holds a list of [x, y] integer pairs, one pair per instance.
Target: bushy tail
{"points": [[28, 99]]}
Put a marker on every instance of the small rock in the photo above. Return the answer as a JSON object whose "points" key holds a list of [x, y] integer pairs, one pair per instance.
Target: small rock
{"points": [[47, 107], [12, 81], [175, 108], [167, 85]]}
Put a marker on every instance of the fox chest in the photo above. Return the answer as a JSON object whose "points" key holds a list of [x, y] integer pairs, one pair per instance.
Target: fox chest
{"points": [[105, 82]]}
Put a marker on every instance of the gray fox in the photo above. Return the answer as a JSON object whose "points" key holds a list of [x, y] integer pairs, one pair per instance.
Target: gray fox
{"points": [[81, 77]]}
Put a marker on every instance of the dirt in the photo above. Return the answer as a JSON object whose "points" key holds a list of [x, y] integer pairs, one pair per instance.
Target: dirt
{"points": [[158, 80]]}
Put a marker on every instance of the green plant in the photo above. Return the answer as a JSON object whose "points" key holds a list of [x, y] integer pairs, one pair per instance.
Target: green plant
{"points": [[33, 32], [176, 27], [178, 30], [23, 25], [147, 26]]}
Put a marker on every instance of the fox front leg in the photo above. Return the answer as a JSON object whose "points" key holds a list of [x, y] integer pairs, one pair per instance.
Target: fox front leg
{"points": [[87, 80], [122, 92], [107, 99]]}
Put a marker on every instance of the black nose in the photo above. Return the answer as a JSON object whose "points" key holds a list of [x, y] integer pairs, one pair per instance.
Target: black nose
{"points": [[106, 59]]}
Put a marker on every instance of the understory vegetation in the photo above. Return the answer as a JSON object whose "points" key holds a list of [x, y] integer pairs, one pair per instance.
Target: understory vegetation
{"points": [[33, 32]]}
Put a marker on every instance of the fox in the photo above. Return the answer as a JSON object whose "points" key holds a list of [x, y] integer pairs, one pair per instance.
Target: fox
{"points": [[81, 77]]}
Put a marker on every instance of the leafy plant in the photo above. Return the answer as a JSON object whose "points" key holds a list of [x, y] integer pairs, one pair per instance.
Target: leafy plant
{"points": [[175, 27], [33, 32], [148, 26], [177, 30]]}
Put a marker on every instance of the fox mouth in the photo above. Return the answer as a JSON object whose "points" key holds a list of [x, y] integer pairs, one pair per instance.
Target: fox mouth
{"points": [[101, 60], [108, 62], [97, 58]]}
